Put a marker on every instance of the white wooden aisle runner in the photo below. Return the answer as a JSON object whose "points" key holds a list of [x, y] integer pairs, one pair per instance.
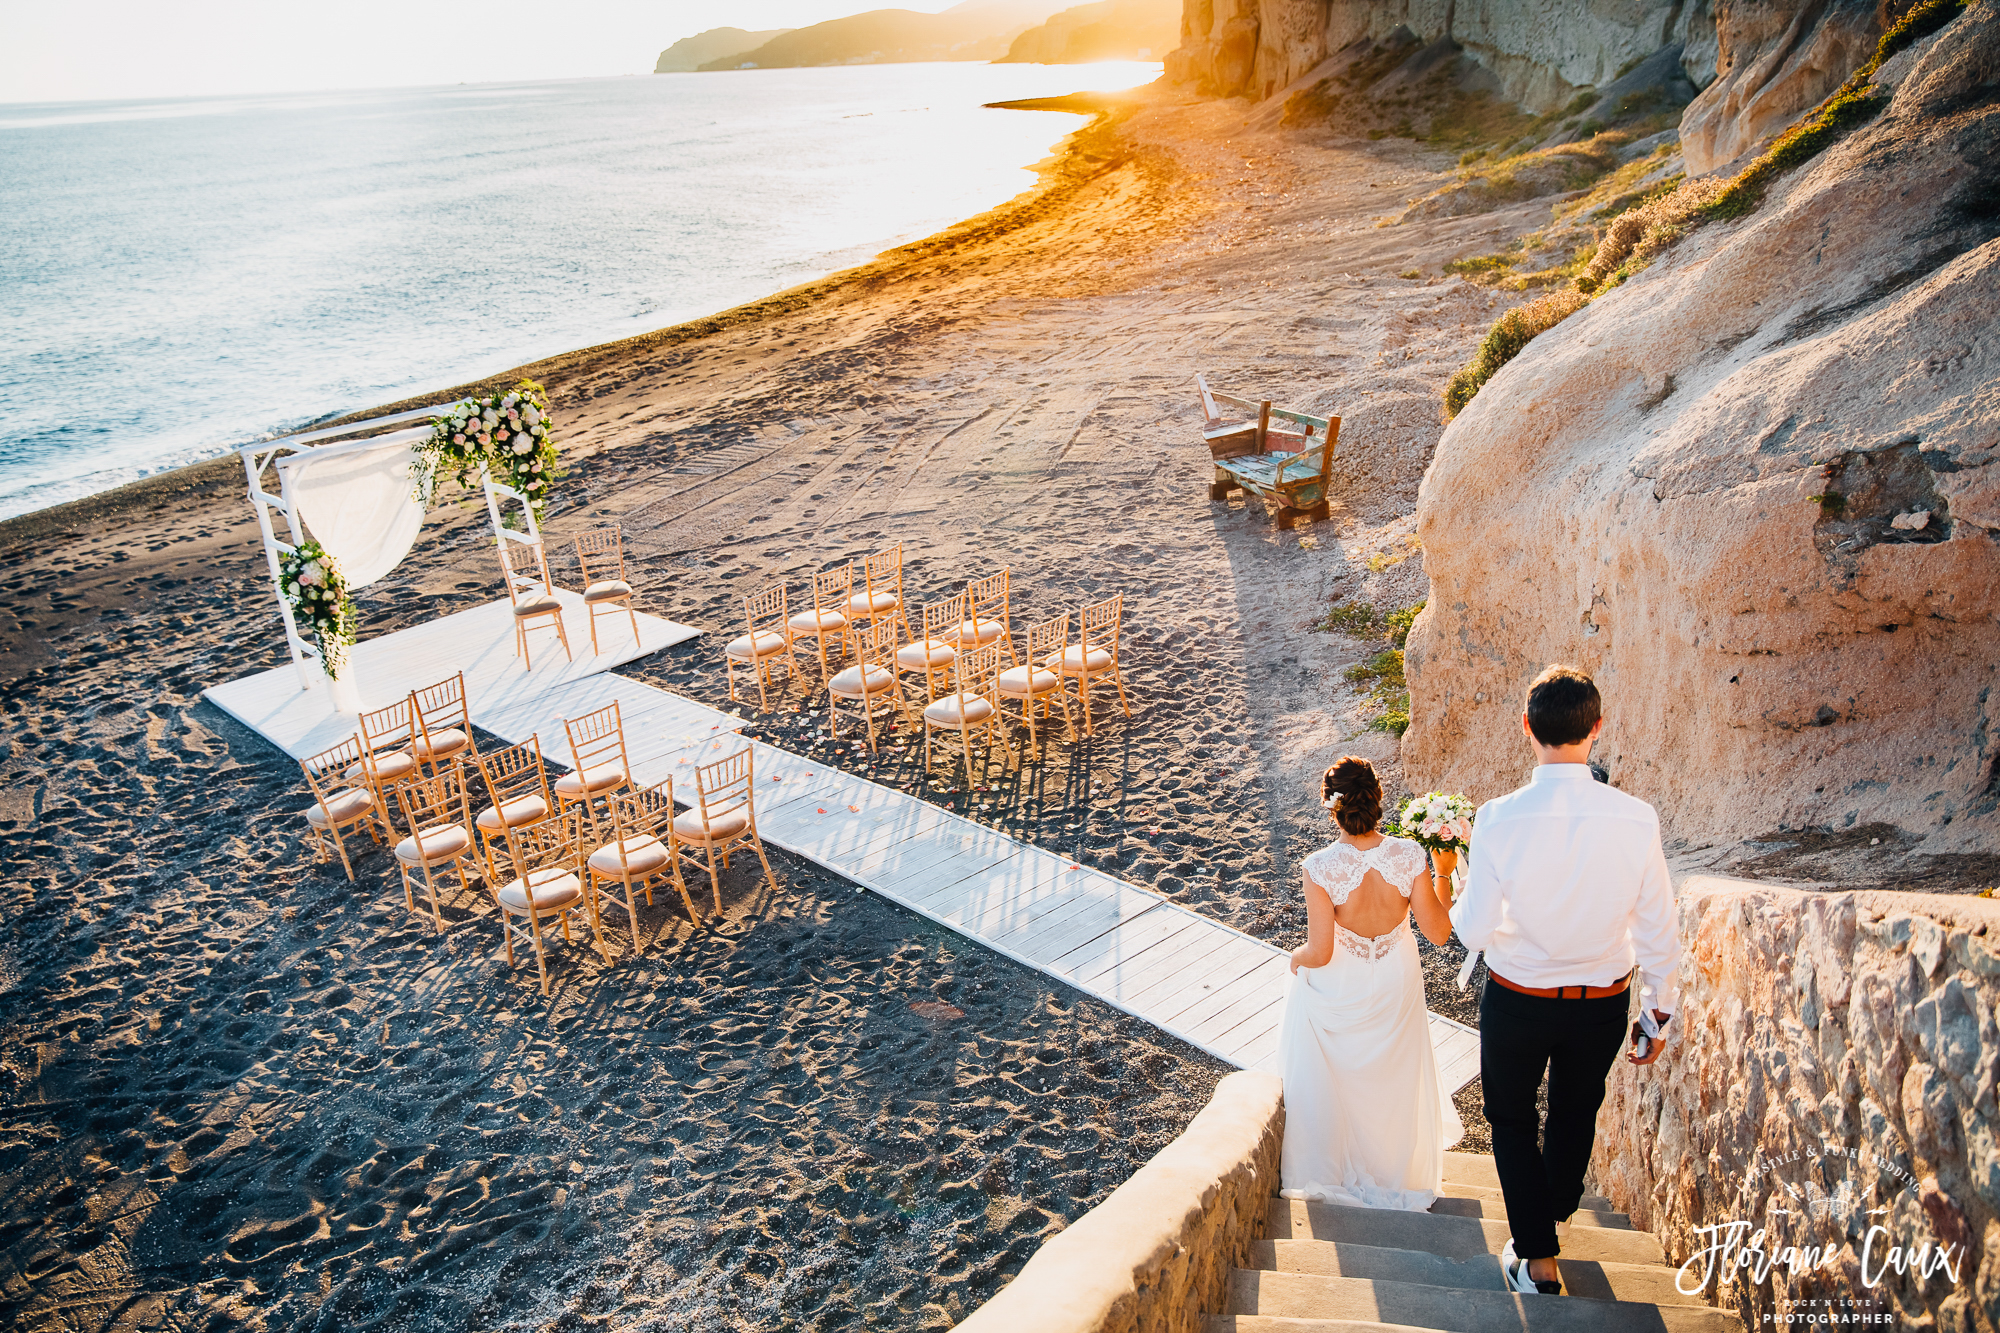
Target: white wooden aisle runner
{"points": [[1198, 979]]}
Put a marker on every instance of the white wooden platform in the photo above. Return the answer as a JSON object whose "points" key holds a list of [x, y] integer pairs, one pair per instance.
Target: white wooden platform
{"points": [[479, 641]]}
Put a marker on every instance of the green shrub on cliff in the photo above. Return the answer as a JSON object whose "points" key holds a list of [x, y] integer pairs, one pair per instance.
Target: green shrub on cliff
{"points": [[1504, 341]]}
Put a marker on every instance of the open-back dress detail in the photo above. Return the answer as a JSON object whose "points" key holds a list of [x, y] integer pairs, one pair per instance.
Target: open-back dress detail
{"points": [[1367, 1119]]}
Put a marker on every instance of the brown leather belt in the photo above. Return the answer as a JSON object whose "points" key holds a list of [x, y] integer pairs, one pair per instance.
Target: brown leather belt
{"points": [[1566, 992]]}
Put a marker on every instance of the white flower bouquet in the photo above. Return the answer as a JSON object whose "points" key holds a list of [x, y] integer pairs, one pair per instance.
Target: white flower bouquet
{"points": [[510, 434], [316, 590], [1438, 822]]}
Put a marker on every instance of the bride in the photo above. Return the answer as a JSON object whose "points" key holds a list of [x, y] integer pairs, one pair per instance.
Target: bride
{"points": [[1366, 1119]]}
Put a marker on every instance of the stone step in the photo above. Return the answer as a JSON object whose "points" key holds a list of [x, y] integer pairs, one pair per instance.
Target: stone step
{"points": [[1471, 1168], [1462, 1310], [1496, 1210], [1581, 1277], [1451, 1237], [1596, 1203]]}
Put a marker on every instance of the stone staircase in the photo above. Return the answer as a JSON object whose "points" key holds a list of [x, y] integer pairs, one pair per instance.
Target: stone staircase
{"points": [[1327, 1269]]}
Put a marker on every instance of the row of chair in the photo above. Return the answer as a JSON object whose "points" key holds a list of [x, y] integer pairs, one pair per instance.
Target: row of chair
{"points": [[543, 849], [607, 587], [959, 683]]}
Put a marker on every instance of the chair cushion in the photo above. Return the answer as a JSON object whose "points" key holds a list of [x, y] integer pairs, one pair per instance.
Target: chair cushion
{"points": [[388, 767], [814, 622], [767, 642], [862, 603], [1014, 681], [595, 779], [537, 604], [340, 808], [449, 741], [609, 590], [979, 633], [525, 810], [950, 711], [688, 825], [554, 888], [932, 653], [442, 843], [1073, 661], [643, 855], [848, 685]]}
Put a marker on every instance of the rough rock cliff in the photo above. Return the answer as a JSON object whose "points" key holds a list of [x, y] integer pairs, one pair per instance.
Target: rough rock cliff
{"points": [[1756, 490]]}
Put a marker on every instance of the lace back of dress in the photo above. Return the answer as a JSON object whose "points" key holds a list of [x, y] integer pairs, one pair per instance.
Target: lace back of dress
{"points": [[1375, 948]]}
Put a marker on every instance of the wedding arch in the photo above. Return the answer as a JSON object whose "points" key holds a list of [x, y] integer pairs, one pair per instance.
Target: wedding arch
{"points": [[362, 500]]}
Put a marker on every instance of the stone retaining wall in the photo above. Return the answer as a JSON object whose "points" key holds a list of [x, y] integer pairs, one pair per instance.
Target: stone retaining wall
{"points": [[1833, 1087], [1159, 1250]]}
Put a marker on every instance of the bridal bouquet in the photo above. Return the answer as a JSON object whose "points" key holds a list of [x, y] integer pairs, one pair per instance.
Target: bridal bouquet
{"points": [[510, 434], [1438, 822], [316, 591]]}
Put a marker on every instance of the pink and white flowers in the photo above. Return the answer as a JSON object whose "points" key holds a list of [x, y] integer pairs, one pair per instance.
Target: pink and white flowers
{"points": [[1438, 821], [508, 434], [313, 586]]}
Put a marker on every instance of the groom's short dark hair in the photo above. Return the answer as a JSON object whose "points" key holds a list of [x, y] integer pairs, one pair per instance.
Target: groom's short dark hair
{"points": [[1563, 705]]}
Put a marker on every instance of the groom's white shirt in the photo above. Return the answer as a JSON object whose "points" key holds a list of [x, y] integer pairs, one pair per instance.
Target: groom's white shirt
{"points": [[1568, 887]]}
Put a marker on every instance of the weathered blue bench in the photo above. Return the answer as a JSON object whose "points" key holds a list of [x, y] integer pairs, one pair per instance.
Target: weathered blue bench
{"points": [[1289, 466]]}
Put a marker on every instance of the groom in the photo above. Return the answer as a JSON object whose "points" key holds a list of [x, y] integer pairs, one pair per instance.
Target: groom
{"points": [[1567, 890]]}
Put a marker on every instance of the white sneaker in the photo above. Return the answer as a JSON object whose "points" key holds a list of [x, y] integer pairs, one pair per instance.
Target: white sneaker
{"points": [[1514, 1272]]}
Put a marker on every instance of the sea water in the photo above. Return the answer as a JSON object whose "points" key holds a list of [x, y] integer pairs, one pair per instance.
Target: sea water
{"points": [[179, 277]]}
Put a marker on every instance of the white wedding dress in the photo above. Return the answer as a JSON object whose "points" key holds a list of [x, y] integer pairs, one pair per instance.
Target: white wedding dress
{"points": [[1366, 1118]]}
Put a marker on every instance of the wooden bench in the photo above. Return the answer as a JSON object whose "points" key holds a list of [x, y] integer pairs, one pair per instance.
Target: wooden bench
{"points": [[1286, 465]]}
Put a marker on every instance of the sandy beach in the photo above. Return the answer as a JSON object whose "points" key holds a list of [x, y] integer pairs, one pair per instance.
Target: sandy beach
{"points": [[241, 1092]]}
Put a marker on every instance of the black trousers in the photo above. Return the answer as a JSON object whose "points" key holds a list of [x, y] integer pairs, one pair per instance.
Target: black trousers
{"points": [[1574, 1042]]}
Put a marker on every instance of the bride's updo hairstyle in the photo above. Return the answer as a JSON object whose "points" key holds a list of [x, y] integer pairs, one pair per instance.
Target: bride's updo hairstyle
{"points": [[1353, 795]]}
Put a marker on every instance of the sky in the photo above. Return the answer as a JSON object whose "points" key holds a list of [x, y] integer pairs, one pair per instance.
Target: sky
{"points": [[89, 50]]}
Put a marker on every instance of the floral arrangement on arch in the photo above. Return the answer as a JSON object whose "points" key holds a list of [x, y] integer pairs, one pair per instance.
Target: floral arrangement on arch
{"points": [[316, 591], [1438, 822], [510, 434]]}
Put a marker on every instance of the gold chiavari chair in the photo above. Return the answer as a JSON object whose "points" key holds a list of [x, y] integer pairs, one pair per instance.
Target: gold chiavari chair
{"points": [[386, 736], [435, 809], [870, 682], [598, 765], [642, 849], [524, 568], [441, 722], [828, 617], [1033, 683], [340, 802], [1095, 653], [517, 793], [607, 588], [724, 814], [549, 881], [769, 640], [932, 653], [987, 617], [881, 595], [973, 705]]}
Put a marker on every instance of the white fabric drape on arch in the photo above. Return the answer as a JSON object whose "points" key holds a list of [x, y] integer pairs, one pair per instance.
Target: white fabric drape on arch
{"points": [[360, 504]]}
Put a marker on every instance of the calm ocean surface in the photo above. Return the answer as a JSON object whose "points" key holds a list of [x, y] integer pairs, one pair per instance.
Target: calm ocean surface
{"points": [[178, 277]]}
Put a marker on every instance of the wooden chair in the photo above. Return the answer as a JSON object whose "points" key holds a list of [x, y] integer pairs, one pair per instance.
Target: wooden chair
{"points": [[548, 882], [1034, 682], [517, 794], [435, 811], [986, 616], [386, 737], [442, 723], [974, 703], [1095, 654], [828, 618], [881, 595], [340, 802], [724, 814], [600, 557], [872, 680], [642, 849], [598, 765], [526, 574], [933, 653], [1283, 466], [769, 639]]}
